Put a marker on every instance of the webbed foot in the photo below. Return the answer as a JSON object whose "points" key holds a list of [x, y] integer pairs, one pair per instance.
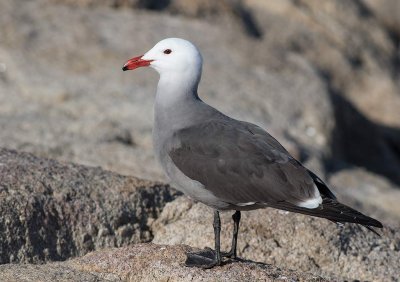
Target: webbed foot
{"points": [[206, 258], [231, 254]]}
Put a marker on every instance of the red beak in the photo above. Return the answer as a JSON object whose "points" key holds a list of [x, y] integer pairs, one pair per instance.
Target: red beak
{"points": [[135, 63]]}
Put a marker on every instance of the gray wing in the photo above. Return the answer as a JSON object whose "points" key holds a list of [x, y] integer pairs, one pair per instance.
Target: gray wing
{"points": [[240, 163]]}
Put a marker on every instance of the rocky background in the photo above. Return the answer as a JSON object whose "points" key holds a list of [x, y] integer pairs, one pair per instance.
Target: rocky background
{"points": [[322, 76]]}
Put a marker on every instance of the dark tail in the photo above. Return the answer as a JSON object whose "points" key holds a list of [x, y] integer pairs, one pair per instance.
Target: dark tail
{"points": [[333, 210]]}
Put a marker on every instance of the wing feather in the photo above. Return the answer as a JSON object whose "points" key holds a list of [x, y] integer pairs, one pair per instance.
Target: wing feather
{"points": [[242, 164], [239, 163]]}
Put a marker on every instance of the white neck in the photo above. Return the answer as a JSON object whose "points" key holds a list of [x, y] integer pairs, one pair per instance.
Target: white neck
{"points": [[175, 89], [176, 98]]}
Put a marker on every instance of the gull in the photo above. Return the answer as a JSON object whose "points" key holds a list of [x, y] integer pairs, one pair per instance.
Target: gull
{"points": [[224, 163]]}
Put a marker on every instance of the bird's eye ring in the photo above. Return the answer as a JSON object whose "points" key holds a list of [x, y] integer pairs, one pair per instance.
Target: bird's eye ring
{"points": [[167, 51]]}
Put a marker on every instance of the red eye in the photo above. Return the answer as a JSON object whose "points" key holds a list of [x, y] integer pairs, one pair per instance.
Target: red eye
{"points": [[167, 51]]}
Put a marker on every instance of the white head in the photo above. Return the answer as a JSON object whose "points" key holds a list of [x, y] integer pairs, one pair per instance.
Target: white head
{"points": [[171, 56]]}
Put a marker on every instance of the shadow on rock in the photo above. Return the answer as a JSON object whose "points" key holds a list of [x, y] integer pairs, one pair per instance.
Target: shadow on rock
{"points": [[356, 140]]}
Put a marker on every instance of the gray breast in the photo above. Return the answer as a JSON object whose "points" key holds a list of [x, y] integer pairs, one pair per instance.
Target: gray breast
{"points": [[166, 124]]}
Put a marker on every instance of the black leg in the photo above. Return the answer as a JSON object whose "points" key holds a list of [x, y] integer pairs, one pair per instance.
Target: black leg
{"points": [[207, 258], [217, 234], [233, 252]]}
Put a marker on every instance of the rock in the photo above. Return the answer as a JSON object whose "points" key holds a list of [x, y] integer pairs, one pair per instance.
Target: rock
{"points": [[372, 193], [287, 240], [204, 9], [355, 43], [386, 12], [53, 211], [47, 273], [148, 262], [358, 141], [342, 40], [347, 41]]}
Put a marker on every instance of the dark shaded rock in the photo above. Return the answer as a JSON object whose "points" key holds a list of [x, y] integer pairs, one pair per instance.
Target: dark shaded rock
{"points": [[53, 211], [359, 141]]}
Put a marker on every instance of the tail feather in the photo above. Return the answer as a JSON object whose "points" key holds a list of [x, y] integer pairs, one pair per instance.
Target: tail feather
{"points": [[337, 212], [372, 230], [334, 211]]}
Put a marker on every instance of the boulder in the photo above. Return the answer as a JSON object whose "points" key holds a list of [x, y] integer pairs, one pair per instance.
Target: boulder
{"points": [[147, 262], [54, 211]]}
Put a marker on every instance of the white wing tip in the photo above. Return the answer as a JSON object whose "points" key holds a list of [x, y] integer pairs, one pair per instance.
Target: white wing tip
{"points": [[245, 204], [311, 203]]}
